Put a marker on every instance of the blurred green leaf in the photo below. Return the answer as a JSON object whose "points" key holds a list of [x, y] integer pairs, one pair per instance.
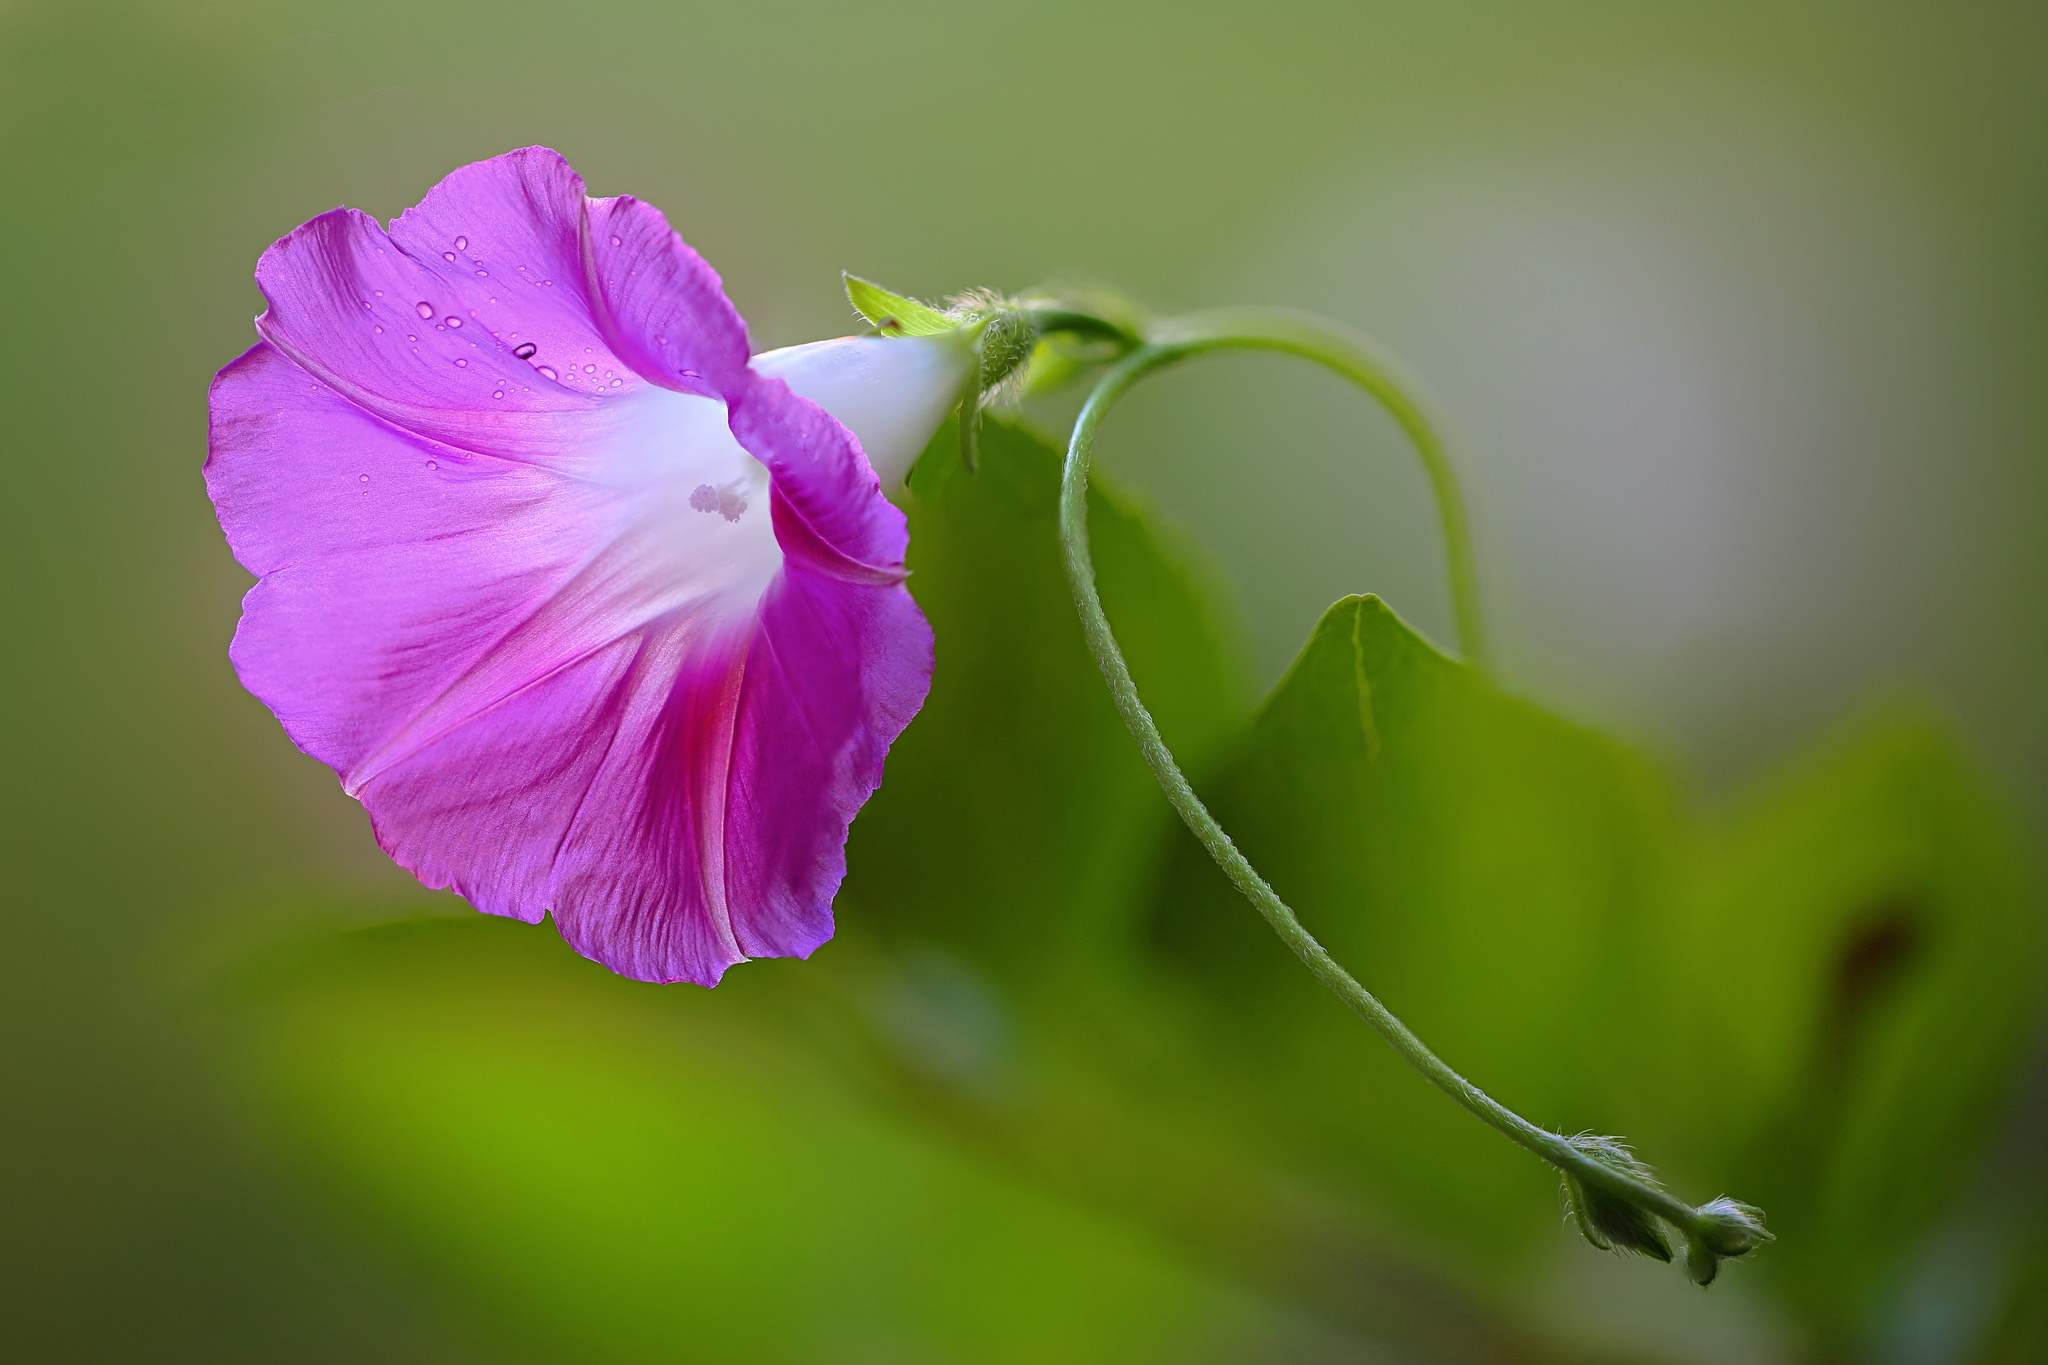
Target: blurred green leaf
{"points": [[618, 1173], [1490, 871], [1018, 820], [1054, 364], [1858, 961], [995, 911], [2021, 1322]]}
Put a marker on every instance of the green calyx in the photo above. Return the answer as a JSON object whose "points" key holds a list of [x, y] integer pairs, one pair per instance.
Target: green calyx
{"points": [[1031, 342]]}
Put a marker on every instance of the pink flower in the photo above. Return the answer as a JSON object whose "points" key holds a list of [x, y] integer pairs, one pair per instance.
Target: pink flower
{"points": [[597, 616]]}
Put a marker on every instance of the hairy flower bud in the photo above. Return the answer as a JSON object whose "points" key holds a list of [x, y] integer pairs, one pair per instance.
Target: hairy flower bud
{"points": [[1610, 1221], [1727, 1228]]}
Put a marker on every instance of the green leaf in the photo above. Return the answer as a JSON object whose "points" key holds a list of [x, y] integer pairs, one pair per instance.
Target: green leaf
{"points": [[998, 899], [1017, 820], [2021, 1323], [893, 313], [1815, 1005], [1487, 869], [1858, 960], [620, 1174]]}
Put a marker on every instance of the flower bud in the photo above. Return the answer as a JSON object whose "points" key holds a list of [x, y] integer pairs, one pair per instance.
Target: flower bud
{"points": [[1727, 1228], [1731, 1228], [1610, 1221]]}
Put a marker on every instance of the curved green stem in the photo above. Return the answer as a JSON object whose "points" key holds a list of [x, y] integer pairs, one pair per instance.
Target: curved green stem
{"points": [[1052, 318], [1347, 354], [1371, 368]]}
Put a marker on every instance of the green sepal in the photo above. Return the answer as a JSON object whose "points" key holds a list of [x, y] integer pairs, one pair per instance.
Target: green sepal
{"points": [[1610, 1221], [893, 314], [967, 419]]}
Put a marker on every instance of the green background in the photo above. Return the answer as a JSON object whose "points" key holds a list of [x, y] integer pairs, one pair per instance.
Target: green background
{"points": [[1741, 310]]}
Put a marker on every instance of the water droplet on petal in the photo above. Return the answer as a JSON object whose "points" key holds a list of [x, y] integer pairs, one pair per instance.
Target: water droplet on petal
{"points": [[525, 350], [448, 256], [462, 364], [410, 337], [432, 465], [618, 383], [590, 369], [424, 309], [497, 393], [546, 373], [378, 292], [486, 274], [616, 241], [453, 321], [462, 243], [690, 374], [364, 478], [378, 330]]}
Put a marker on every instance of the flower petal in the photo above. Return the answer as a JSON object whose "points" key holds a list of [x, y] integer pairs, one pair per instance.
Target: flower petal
{"points": [[381, 554], [828, 500], [834, 676], [471, 642], [761, 756], [486, 319], [574, 647], [891, 392]]}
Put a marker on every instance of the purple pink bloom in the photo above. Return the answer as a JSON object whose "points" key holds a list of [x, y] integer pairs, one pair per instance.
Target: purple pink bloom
{"points": [[597, 614]]}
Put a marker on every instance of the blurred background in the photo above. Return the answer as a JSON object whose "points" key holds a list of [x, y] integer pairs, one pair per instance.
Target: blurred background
{"points": [[1740, 311]]}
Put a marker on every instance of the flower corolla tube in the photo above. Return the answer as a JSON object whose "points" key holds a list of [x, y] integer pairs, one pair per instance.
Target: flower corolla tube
{"points": [[598, 614]]}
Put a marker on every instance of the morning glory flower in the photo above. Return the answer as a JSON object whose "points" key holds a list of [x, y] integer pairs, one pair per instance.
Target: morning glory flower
{"points": [[597, 614]]}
